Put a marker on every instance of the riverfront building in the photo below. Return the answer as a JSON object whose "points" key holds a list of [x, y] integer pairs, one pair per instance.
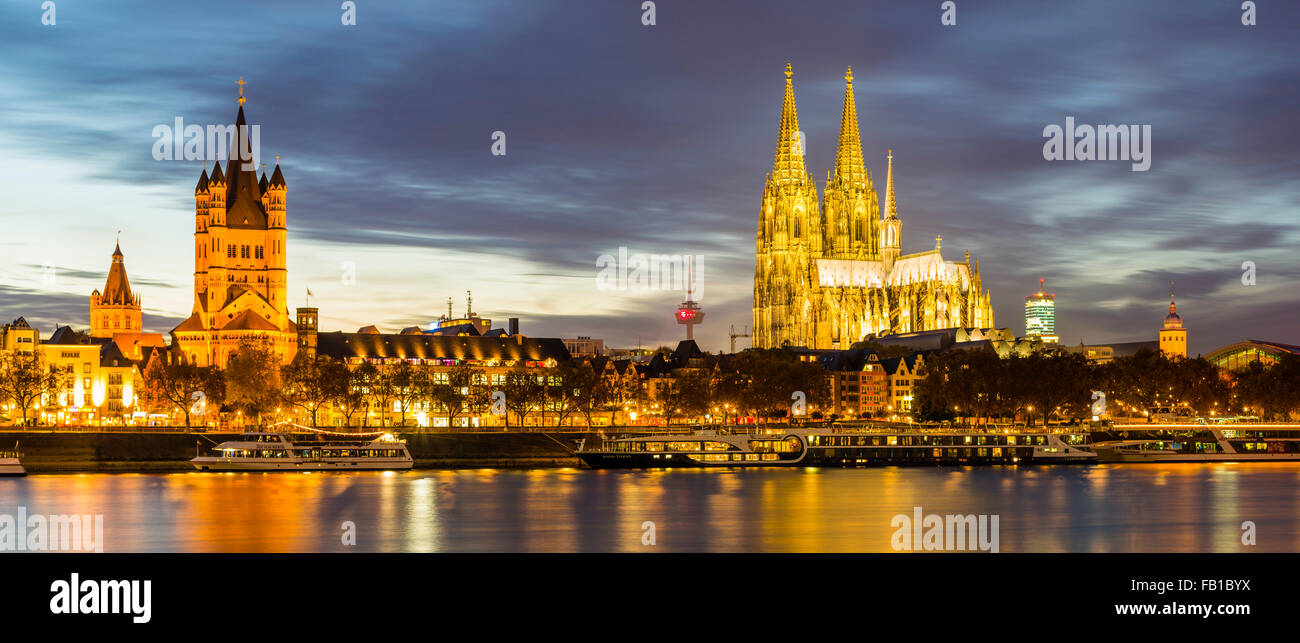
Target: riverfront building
{"points": [[240, 269]]}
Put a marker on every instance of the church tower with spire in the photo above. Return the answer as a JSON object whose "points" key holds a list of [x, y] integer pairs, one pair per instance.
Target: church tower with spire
{"points": [[891, 240], [116, 309], [852, 207], [790, 230], [240, 267], [1173, 336]]}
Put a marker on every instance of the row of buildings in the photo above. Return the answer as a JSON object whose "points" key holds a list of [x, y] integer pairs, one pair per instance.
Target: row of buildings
{"points": [[829, 273]]}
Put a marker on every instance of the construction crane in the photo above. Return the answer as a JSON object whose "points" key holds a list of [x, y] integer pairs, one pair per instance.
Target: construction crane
{"points": [[733, 334]]}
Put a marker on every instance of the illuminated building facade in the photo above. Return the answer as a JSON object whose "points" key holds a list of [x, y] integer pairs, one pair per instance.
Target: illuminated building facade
{"points": [[1040, 315], [1235, 357], [1173, 336], [116, 309], [493, 358], [829, 273], [240, 271]]}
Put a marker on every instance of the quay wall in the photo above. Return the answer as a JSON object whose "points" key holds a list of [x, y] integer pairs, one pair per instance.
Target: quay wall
{"points": [[170, 451]]}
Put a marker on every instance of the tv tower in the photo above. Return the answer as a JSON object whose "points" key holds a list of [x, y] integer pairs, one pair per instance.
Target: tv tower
{"points": [[690, 314]]}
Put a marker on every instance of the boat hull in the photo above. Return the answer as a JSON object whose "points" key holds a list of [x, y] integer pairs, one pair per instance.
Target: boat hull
{"points": [[11, 468], [1127, 455], [293, 464], [616, 460]]}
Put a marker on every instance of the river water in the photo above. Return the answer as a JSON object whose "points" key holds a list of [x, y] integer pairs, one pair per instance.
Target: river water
{"points": [[1102, 508]]}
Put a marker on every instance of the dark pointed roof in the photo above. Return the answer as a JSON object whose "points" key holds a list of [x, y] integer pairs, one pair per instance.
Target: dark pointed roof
{"points": [[110, 355], [203, 182], [277, 179], [117, 289], [65, 336], [458, 329], [261, 183], [243, 197], [686, 351], [217, 176]]}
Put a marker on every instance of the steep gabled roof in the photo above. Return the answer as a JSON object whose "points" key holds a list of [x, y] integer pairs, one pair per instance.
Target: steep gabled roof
{"points": [[111, 356], [191, 324], [686, 350], [66, 336], [249, 320]]}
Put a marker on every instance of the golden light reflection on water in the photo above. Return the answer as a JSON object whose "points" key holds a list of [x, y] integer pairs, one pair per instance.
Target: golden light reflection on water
{"points": [[1105, 508]]}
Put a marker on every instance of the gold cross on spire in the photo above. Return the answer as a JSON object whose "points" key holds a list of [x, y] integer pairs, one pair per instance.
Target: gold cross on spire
{"points": [[241, 83]]}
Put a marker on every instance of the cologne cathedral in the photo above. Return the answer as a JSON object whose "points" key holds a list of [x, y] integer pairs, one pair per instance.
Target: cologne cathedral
{"points": [[240, 269], [828, 274]]}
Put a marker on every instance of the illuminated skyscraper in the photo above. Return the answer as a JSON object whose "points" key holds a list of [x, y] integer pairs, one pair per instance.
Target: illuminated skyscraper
{"points": [[1040, 315]]}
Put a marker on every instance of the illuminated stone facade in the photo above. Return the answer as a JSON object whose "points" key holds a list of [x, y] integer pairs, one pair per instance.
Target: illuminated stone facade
{"points": [[116, 309], [240, 271], [828, 274], [1173, 335]]}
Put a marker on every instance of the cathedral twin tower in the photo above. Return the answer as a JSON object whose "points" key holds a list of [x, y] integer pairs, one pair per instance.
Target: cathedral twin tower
{"points": [[828, 276]]}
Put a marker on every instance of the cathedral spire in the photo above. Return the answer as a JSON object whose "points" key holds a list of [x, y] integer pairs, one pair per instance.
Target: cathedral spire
{"points": [[243, 196], [891, 206], [788, 167], [848, 157]]}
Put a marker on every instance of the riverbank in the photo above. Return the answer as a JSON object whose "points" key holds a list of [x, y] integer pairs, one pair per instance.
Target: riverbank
{"points": [[170, 451]]}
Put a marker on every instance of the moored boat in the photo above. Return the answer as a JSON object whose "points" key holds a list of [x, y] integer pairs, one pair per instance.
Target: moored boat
{"points": [[11, 464], [319, 451], [837, 447], [1198, 443]]}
